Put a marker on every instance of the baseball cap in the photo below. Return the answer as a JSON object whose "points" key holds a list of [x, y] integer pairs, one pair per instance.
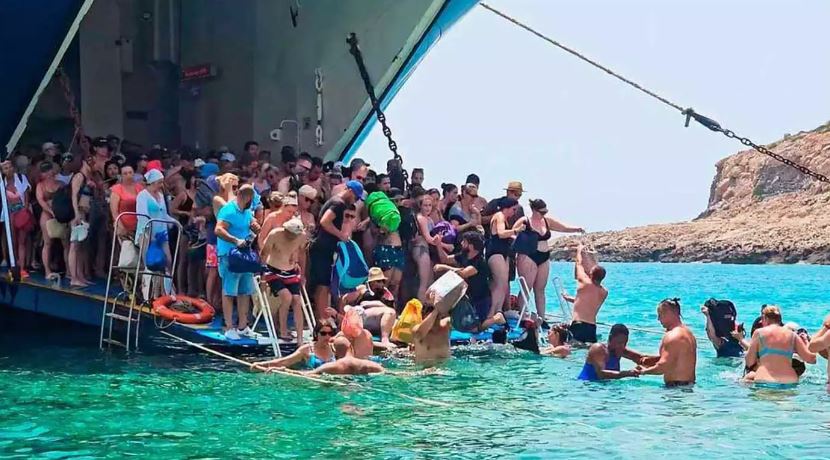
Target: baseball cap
{"points": [[308, 192], [356, 188], [198, 162], [294, 225], [227, 156], [357, 163], [207, 170], [48, 145], [100, 141]]}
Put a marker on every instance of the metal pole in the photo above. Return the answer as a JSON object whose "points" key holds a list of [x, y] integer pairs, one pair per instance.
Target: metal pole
{"points": [[7, 217]]}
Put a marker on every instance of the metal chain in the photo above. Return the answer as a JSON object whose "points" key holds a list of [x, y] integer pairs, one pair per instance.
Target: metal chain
{"points": [[688, 112], [66, 85], [354, 49]]}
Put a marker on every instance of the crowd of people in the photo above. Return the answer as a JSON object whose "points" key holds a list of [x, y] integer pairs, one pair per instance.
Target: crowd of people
{"points": [[211, 209]]}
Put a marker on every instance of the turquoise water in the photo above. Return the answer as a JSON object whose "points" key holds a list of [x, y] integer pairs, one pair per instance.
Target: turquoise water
{"points": [[62, 398]]}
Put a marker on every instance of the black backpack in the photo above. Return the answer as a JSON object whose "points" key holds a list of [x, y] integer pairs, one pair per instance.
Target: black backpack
{"points": [[409, 226], [62, 204], [723, 315]]}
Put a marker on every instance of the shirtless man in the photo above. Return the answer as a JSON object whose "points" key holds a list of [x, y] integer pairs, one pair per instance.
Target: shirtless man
{"points": [[590, 296], [281, 253], [431, 338], [347, 363], [678, 349]]}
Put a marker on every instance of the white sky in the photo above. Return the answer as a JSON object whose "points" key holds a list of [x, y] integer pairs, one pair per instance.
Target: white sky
{"points": [[493, 99]]}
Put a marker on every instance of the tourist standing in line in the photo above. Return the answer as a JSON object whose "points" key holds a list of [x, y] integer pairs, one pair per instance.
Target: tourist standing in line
{"points": [[332, 229], [234, 225], [499, 251], [533, 251], [50, 228]]}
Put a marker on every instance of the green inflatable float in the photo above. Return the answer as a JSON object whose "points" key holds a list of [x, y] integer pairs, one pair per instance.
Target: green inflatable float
{"points": [[383, 211]]}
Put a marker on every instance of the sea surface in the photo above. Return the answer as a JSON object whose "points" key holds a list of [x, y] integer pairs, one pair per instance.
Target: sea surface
{"points": [[60, 397]]}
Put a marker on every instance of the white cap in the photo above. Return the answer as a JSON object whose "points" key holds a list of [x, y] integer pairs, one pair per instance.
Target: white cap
{"points": [[153, 176], [227, 156], [308, 192], [198, 162], [294, 225]]}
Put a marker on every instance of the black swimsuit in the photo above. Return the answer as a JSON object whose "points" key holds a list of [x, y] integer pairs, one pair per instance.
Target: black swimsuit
{"points": [[498, 246], [527, 243]]}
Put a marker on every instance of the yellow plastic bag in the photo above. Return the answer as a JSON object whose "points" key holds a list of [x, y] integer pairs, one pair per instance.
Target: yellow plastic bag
{"points": [[410, 316]]}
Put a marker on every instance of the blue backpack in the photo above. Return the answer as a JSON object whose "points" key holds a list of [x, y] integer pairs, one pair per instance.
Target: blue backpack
{"points": [[350, 267]]}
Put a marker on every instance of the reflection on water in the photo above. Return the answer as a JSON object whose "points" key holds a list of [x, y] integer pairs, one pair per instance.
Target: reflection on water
{"points": [[63, 398]]}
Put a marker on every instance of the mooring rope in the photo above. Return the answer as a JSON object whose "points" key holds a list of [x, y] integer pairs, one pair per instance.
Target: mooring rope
{"points": [[291, 373]]}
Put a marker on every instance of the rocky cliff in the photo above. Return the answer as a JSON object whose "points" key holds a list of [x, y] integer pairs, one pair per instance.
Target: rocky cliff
{"points": [[759, 211]]}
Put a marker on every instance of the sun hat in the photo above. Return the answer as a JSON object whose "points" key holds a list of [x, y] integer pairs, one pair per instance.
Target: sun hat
{"points": [[515, 186], [375, 274]]}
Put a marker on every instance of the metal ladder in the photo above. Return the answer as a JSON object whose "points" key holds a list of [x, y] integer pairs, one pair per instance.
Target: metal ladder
{"points": [[262, 304], [138, 271]]}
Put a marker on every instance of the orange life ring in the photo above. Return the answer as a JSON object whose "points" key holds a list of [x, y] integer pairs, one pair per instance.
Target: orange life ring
{"points": [[161, 307]]}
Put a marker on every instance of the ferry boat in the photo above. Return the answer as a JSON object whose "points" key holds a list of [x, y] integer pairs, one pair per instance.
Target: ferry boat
{"points": [[203, 73]]}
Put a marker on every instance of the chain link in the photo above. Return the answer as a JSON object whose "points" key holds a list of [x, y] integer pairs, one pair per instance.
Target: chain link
{"points": [[354, 49], [66, 86], [688, 112]]}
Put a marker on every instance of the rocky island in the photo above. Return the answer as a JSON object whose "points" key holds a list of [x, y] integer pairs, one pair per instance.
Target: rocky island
{"points": [[760, 211]]}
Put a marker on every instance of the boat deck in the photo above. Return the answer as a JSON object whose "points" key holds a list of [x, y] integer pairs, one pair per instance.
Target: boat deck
{"points": [[85, 305]]}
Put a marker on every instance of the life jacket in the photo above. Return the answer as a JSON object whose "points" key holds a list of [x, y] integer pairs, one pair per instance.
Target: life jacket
{"points": [[350, 267], [383, 211], [410, 316], [722, 313], [62, 204]]}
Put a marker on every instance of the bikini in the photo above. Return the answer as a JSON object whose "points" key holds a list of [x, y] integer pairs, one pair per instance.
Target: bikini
{"points": [[527, 243], [314, 361], [765, 350]]}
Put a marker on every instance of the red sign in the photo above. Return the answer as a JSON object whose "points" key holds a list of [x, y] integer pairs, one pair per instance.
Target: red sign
{"points": [[198, 72]]}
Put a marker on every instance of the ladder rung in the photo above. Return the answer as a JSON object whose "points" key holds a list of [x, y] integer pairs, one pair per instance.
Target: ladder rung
{"points": [[151, 273], [121, 317], [114, 342]]}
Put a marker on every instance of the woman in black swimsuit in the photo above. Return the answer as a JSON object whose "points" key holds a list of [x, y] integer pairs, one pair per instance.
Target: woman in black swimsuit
{"points": [[184, 194], [498, 251], [533, 252]]}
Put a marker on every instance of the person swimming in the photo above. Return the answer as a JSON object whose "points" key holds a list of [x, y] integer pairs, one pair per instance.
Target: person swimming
{"points": [[347, 363], [311, 355], [603, 360], [771, 349], [557, 342]]}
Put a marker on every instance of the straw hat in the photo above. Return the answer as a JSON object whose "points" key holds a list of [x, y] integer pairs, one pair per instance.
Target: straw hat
{"points": [[515, 186], [375, 274]]}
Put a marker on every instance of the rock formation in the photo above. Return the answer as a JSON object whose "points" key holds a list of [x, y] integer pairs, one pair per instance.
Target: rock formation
{"points": [[760, 211]]}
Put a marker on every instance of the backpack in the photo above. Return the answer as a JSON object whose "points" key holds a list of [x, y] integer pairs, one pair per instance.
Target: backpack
{"points": [[350, 267], [383, 211], [446, 230], [205, 191], [722, 313], [408, 227], [410, 316], [62, 204]]}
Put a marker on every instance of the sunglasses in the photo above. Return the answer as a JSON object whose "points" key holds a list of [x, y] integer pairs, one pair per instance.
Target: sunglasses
{"points": [[327, 332]]}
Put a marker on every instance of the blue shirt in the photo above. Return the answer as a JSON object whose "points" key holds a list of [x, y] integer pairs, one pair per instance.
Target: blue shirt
{"points": [[239, 225]]}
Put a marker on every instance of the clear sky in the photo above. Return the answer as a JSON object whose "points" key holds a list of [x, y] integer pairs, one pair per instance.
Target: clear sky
{"points": [[492, 99]]}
